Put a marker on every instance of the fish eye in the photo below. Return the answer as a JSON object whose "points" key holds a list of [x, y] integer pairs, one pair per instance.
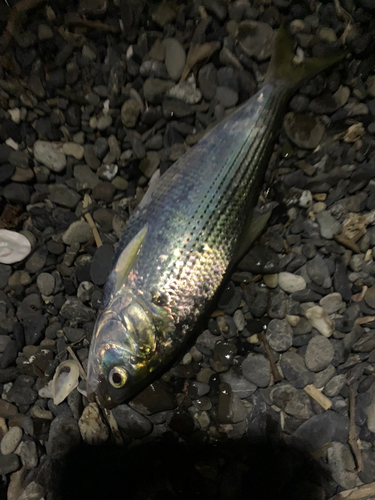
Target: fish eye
{"points": [[118, 377]]}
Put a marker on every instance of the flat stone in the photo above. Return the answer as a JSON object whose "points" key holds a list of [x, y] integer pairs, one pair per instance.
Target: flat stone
{"points": [[291, 283], [11, 440], [293, 401], [322, 429], [130, 111], [240, 386], [86, 177], [50, 154], [46, 283], [63, 196], [9, 463], [78, 232], [328, 225], [260, 260], [256, 369], [304, 130], [279, 335], [28, 454], [319, 353], [131, 422], [73, 149], [64, 435], [175, 57], [334, 386], [341, 462], [295, 371], [318, 271], [332, 302]]}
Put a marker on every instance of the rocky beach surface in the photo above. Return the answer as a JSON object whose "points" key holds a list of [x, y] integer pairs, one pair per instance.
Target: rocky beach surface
{"points": [[275, 396]]}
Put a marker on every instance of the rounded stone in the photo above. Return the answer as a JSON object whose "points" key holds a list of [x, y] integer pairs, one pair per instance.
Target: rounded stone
{"points": [[279, 335], [11, 440], [46, 283], [291, 283], [256, 369], [319, 353]]}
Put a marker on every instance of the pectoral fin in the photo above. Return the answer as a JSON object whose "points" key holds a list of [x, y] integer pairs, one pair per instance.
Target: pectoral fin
{"points": [[127, 258], [254, 226]]}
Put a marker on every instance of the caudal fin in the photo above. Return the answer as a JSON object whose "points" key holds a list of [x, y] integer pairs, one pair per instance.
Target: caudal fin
{"points": [[282, 65]]}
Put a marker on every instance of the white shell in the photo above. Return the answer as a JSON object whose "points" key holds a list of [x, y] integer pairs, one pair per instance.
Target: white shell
{"points": [[14, 247], [65, 380]]}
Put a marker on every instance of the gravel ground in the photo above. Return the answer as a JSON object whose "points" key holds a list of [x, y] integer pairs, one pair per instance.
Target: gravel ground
{"points": [[275, 399]]}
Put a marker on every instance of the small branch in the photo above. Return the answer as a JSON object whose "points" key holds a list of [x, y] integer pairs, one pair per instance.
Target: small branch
{"points": [[90, 221], [319, 397], [275, 372], [353, 432], [365, 491]]}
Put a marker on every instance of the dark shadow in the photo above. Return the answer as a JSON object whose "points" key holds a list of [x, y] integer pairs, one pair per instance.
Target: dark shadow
{"points": [[189, 469]]}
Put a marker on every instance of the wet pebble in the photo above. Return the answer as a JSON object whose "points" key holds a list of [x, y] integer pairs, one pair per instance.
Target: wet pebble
{"points": [[279, 335]]}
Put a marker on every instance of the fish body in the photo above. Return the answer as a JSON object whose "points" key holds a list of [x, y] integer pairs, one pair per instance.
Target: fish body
{"points": [[175, 250]]}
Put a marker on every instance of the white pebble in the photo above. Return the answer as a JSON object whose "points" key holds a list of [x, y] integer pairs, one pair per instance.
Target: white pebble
{"points": [[320, 320], [291, 282]]}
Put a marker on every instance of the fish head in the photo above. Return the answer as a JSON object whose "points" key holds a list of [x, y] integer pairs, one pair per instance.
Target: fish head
{"points": [[121, 348]]}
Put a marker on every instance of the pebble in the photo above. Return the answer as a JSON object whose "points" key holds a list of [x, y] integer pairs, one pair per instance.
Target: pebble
{"points": [[130, 112], [319, 353], [28, 454], [260, 260], [303, 130], [256, 369], [50, 155], [291, 283], [295, 371], [332, 302], [101, 264], [175, 57], [279, 335], [64, 435], [320, 320], [240, 386], [78, 232], [94, 430], [328, 225], [341, 462], [131, 422], [293, 401], [46, 283], [11, 440]]}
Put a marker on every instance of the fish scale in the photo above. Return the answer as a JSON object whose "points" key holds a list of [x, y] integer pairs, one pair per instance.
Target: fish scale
{"points": [[177, 248]]}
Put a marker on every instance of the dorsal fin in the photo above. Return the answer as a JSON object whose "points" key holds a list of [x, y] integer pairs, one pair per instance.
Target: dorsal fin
{"points": [[127, 258]]}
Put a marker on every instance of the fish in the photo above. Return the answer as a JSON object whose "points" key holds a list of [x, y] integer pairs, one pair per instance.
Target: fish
{"points": [[177, 246]]}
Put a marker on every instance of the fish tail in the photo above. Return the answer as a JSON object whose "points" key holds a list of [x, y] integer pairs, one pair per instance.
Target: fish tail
{"points": [[283, 66]]}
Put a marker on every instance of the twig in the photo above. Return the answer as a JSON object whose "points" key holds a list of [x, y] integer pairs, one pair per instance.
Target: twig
{"points": [[320, 398], [81, 370], [361, 492], [90, 221], [275, 372], [345, 16], [353, 432]]}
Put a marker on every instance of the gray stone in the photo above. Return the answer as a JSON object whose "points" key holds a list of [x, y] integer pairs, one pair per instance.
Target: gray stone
{"points": [[11, 440], [240, 386], [293, 401], [175, 57], [321, 429], [46, 283], [78, 232], [63, 196], [328, 225], [256, 369], [304, 130], [341, 462], [291, 283], [130, 112], [28, 454], [334, 386], [319, 353], [131, 422], [279, 335], [9, 463], [50, 155], [74, 311], [295, 371], [64, 435]]}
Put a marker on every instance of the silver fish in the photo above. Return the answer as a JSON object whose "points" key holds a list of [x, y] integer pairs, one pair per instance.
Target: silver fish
{"points": [[176, 250]]}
